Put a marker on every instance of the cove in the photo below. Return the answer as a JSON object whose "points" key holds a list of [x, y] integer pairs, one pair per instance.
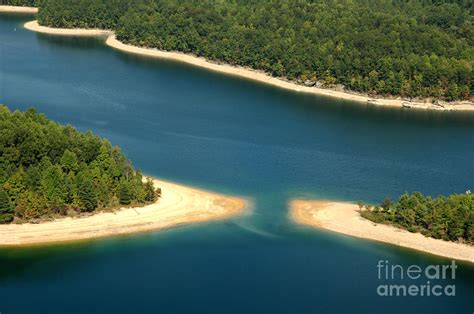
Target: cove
{"points": [[235, 136]]}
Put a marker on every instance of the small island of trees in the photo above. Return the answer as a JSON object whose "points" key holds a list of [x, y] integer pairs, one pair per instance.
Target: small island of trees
{"points": [[449, 218], [49, 170]]}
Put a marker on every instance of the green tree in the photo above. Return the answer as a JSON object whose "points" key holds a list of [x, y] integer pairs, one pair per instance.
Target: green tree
{"points": [[6, 208], [69, 161], [86, 192], [53, 187], [386, 204], [125, 193], [150, 191]]}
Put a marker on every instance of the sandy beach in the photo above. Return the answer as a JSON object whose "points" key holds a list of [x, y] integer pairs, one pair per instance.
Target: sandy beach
{"points": [[249, 73], [265, 78], [17, 9], [345, 218], [178, 205], [34, 26]]}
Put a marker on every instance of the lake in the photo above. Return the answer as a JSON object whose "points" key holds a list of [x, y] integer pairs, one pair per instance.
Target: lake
{"points": [[236, 136]]}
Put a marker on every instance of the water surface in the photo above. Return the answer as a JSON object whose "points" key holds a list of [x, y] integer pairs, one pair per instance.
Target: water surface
{"points": [[236, 136]]}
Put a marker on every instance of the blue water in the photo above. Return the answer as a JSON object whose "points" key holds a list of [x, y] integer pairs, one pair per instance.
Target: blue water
{"points": [[236, 136]]}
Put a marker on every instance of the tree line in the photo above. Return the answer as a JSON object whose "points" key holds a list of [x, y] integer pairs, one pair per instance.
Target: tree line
{"points": [[419, 48], [449, 218], [48, 170]]}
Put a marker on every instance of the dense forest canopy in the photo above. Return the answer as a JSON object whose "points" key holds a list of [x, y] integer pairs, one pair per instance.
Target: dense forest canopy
{"points": [[24, 3], [418, 48], [47, 169], [449, 218]]}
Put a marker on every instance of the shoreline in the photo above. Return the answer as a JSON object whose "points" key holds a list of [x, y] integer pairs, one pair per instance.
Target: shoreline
{"points": [[17, 9], [178, 205], [345, 218], [34, 26], [249, 73]]}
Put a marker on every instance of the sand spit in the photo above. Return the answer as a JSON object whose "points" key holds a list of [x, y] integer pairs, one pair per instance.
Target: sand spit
{"points": [[178, 205], [34, 26], [17, 9], [345, 218]]}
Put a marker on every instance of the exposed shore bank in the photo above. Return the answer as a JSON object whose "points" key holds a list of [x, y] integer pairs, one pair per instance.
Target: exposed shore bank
{"points": [[345, 218], [249, 73], [178, 205], [18, 9]]}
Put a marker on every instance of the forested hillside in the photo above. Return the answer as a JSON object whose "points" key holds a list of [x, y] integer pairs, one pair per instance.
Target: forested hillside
{"points": [[449, 218], [47, 169], [84, 13], [417, 48]]}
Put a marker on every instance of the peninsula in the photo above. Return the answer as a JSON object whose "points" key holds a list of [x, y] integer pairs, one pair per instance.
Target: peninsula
{"points": [[178, 205], [345, 218], [58, 184]]}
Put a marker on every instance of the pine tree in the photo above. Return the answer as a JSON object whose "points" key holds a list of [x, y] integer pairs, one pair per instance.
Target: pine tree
{"points": [[53, 186], [125, 193], [6, 208], [87, 192], [150, 191]]}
